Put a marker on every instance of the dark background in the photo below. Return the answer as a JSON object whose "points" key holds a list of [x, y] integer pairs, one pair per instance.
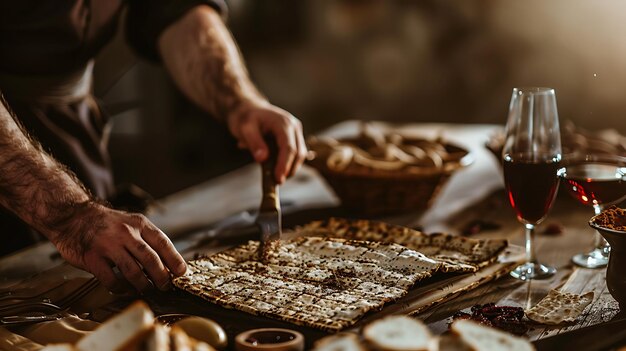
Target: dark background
{"points": [[396, 60]]}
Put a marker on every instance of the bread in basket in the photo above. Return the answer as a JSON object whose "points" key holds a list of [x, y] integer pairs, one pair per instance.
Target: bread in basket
{"points": [[378, 173]]}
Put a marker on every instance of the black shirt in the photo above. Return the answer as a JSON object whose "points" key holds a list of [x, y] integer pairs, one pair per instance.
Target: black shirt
{"points": [[57, 36]]}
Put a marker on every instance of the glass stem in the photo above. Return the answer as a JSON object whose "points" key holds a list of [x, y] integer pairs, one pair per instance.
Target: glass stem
{"points": [[530, 248], [599, 241], [597, 209]]}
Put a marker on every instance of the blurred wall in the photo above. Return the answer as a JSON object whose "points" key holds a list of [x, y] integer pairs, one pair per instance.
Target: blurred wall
{"points": [[449, 60], [395, 60]]}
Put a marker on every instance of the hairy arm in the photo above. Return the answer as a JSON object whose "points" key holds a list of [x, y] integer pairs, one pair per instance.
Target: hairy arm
{"points": [[40, 191], [205, 63], [35, 186]]}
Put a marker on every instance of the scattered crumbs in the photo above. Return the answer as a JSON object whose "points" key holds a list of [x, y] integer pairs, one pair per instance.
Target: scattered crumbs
{"points": [[478, 225], [553, 229]]}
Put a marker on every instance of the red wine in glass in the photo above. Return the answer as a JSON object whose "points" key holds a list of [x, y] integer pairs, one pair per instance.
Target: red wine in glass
{"points": [[531, 153], [531, 187], [595, 183], [595, 180]]}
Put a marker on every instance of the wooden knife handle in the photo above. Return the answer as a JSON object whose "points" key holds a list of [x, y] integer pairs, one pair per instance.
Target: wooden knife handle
{"points": [[270, 201]]}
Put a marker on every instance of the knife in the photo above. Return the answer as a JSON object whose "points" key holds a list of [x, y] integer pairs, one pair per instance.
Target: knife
{"points": [[597, 337], [269, 217]]}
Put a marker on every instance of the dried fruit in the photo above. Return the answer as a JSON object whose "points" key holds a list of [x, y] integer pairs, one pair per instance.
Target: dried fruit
{"points": [[507, 318]]}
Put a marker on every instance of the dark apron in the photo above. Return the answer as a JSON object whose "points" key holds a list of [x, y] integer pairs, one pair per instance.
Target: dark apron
{"points": [[59, 112]]}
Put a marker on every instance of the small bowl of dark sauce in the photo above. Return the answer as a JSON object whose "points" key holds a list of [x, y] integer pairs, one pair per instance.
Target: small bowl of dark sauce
{"points": [[269, 339]]}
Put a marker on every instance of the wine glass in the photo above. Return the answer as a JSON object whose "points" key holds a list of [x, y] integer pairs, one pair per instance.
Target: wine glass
{"points": [[595, 180], [531, 153]]}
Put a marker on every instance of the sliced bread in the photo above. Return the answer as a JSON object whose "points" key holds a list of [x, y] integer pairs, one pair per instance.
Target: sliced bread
{"points": [[483, 338], [339, 342], [399, 333], [119, 331]]}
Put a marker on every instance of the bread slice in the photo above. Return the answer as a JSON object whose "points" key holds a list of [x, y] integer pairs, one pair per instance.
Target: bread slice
{"points": [[399, 333], [201, 346], [179, 341], [203, 329], [339, 342], [482, 338], [158, 339], [121, 330]]}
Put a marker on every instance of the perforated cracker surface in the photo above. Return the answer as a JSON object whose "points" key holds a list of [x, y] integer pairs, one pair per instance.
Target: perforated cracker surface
{"points": [[324, 283], [455, 253]]}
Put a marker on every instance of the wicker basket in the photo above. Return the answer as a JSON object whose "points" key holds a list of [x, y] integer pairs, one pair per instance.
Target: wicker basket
{"points": [[371, 193]]}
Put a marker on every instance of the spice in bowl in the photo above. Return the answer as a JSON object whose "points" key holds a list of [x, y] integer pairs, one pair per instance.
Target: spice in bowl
{"points": [[611, 224], [612, 218]]}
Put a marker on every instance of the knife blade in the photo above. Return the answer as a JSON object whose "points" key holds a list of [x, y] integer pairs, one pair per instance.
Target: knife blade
{"points": [[269, 218], [597, 337]]}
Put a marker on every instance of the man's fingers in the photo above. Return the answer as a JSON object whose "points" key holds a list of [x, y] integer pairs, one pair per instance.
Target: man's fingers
{"points": [[100, 268], [301, 152], [251, 128], [165, 249], [286, 151], [151, 263], [130, 270], [251, 134]]}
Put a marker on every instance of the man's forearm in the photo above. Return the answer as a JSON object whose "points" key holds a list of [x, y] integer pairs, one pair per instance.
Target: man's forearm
{"points": [[36, 187], [205, 63], [88, 235]]}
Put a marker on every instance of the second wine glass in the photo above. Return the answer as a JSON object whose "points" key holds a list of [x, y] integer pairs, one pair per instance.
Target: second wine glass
{"points": [[596, 180], [531, 155]]}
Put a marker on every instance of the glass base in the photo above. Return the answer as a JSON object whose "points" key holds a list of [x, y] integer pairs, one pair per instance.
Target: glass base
{"points": [[597, 258], [530, 270]]}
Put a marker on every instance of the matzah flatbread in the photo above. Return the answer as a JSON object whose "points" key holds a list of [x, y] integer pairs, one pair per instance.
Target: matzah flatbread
{"points": [[455, 253], [558, 307], [324, 283]]}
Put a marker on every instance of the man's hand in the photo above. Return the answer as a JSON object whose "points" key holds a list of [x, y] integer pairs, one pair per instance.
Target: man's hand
{"points": [[102, 238], [39, 190], [251, 122], [204, 61]]}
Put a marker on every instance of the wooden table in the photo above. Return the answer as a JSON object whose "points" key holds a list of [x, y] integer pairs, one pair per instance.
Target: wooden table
{"points": [[472, 194]]}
